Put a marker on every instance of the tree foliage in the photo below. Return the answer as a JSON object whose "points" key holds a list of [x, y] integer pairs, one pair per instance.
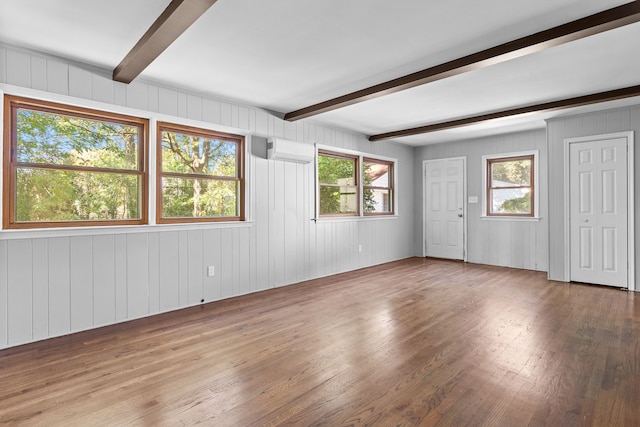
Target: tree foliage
{"points": [[190, 196], [73, 192]]}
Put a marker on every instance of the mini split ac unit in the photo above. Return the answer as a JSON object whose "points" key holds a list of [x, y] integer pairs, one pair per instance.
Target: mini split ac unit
{"points": [[290, 151]]}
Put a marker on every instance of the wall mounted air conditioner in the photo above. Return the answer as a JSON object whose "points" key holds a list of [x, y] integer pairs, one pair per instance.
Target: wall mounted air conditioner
{"points": [[290, 151]]}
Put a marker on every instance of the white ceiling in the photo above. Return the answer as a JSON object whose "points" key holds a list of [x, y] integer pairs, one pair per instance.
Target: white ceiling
{"points": [[283, 55]]}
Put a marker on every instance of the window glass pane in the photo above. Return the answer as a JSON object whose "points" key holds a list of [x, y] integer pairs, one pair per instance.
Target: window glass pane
{"points": [[511, 201], [375, 174], [333, 170], [182, 153], [377, 200], [56, 139], [59, 195], [197, 198], [338, 200], [511, 173]]}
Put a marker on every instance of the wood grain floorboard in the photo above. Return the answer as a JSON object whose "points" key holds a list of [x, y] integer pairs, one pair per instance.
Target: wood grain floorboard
{"points": [[418, 342]]}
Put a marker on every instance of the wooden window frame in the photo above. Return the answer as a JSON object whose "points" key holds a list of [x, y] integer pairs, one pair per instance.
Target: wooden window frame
{"points": [[203, 133], [531, 186], [389, 188], [10, 164], [356, 171]]}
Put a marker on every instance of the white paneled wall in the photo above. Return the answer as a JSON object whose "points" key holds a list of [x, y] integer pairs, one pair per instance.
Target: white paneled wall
{"points": [[598, 123], [509, 243], [52, 285]]}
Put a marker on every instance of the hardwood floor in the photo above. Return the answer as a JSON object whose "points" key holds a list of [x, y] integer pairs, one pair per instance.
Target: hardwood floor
{"points": [[416, 342]]}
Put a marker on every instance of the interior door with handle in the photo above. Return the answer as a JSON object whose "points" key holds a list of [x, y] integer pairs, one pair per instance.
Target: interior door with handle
{"points": [[444, 208]]}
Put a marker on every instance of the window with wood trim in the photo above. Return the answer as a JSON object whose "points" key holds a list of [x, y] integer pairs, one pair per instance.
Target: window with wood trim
{"points": [[337, 184], [377, 185], [510, 186], [200, 175], [70, 166]]}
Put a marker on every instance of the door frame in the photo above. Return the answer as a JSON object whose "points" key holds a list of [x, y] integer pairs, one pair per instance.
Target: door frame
{"points": [[631, 241], [464, 203]]}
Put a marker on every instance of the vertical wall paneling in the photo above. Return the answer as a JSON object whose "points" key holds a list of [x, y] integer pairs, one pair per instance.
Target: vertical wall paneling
{"points": [[596, 123], [497, 242], [167, 101], [81, 282], [226, 118], [120, 94], [194, 107], [104, 280], [154, 277], [211, 111], [226, 263], [137, 95], [80, 83], [212, 257], [120, 249], [19, 292], [40, 255], [4, 273], [38, 73], [195, 267], [244, 263], [236, 262], [183, 268], [102, 89], [290, 223], [57, 77], [71, 283], [18, 68], [153, 100], [3, 65], [137, 275], [278, 237], [235, 116], [182, 104], [262, 214], [59, 288], [168, 255]]}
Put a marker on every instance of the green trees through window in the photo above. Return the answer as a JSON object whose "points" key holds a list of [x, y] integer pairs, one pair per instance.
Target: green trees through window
{"points": [[200, 174], [339, 186], [510, 186], [69, 166], [72, 166]]}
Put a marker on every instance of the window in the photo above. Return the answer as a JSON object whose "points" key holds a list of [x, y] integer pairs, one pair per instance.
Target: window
{"points": [[200, 175], [350, 184], [69, 166], [377, 181], [510, 186], [337, 184]]}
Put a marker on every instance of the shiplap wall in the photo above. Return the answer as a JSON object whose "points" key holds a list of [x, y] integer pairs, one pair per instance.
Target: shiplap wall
{"points": [[518, 244], [55, 285], [598, 123]]}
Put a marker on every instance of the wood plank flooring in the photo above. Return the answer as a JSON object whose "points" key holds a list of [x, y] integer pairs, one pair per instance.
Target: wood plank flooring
{"points": [[415, 342]]}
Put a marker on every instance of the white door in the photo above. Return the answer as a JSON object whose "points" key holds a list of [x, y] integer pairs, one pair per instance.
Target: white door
{"points": [[444, 213], [598, 211]]}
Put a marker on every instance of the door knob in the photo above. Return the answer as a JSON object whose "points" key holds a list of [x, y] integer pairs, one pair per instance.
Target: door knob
{"points": [[459, 215]]}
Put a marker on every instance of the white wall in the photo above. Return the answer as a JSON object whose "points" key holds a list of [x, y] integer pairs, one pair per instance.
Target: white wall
{"points": [[598, 123], [54, 284], [504, 242]]}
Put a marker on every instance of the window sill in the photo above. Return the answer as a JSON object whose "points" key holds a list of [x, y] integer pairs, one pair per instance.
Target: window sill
{"points": [[99, 231], [511, 218], [354, 218]]}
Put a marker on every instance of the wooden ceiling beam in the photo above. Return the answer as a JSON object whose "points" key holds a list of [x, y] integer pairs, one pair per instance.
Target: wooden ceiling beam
{"points": [[175, 19], [595, 98], [584, 27]]}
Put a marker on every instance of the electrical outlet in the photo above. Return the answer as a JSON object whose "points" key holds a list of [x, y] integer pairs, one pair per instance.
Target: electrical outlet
{"points": [[211, 271], [359, 248]]}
